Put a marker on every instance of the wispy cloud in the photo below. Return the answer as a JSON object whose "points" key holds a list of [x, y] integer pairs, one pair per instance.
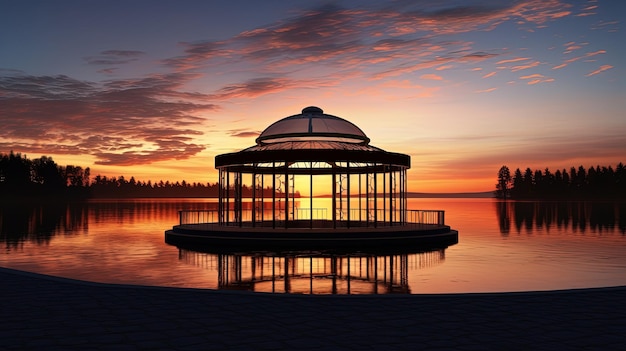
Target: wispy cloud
{"points": [[155, 117], [599, 70], [114, 57], [254, 87], [572, 48], [431, 76], [536, 78], [120, 122], [517, 59], [576, 58], [525, 66], [382, 42], [587, 11], [239, 133]]}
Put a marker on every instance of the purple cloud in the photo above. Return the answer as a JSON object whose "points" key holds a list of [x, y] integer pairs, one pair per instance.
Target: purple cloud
{"points": [[373, 42], [116, 121], [114, 57]]}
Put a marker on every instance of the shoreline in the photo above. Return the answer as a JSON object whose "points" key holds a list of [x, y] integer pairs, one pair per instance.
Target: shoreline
{"points": [[43, 312]]}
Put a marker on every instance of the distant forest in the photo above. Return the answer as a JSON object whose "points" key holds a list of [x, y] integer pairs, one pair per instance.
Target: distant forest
{"points": [[21, 177], [594, 183]]}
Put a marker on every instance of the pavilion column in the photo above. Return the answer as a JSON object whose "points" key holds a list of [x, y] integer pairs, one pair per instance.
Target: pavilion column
{"points": [[348, 192], [238, 198], [360, 199], [286, 193], [227, 212], [367, 199], [390, 193], [375, 200], [260, 196], [254, 189], [220, 198], [273, 194], [384, 194], [404, 195], [311, 195], [400, 197], [334, 197]]}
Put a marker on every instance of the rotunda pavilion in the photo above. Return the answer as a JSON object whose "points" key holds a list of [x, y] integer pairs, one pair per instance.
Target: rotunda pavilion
{"points": [[315, 153]]}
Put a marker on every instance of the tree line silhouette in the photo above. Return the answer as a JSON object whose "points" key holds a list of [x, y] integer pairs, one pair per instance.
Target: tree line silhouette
{"points": [[579, 183], [21, 177]]}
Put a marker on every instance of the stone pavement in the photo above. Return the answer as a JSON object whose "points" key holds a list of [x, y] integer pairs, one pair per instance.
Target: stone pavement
{"points": [[40, 312]]}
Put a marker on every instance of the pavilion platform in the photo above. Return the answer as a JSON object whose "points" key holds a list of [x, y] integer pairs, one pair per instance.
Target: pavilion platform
{"points": [[411, 237]]}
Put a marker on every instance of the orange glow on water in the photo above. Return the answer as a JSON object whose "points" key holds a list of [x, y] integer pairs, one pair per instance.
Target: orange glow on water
{"points": [[502, 247]]}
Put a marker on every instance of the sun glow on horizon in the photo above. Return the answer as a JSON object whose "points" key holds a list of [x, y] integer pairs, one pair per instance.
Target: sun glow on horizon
{"points": [[463, 90]]}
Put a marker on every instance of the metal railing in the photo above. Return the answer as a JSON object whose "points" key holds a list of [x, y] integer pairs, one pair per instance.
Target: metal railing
{"points": [[198, 216], [357, 218]]}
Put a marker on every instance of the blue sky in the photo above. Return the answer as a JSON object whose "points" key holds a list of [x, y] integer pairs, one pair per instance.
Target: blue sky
{"points": [[156, 89]]}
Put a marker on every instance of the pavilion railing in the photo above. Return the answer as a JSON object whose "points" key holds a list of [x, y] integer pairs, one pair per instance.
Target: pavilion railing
{"points": [[357, 218], [198, 216]]}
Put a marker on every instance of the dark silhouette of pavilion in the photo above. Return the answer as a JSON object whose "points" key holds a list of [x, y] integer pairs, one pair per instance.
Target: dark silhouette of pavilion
{"points": [[368, 191]]}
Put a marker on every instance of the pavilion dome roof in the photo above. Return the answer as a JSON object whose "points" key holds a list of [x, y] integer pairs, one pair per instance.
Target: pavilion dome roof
{"points": [[312, 125]]}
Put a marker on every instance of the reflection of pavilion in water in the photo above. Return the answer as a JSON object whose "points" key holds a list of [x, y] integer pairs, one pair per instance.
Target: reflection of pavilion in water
{"points": [[314, 272]]}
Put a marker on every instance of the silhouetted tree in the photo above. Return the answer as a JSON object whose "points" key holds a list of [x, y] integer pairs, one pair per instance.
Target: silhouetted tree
{"points": [[581, 181], [620, 180], [48, 174], [15, 170], [600, 182], [565, 186], [504, 182], [518, 184], [42, 177]]}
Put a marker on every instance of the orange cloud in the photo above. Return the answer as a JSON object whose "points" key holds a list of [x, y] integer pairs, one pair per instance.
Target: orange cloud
{"points": [[574, 59], [599, 70], [587, 11], [572, 48], [431, 77], [522, 67], [536, 79], [536, 75], [390, 90], [123, 122], [405, 39], [437, 61], [513, 60], [244, 134], [254, 88], [156, 117]]}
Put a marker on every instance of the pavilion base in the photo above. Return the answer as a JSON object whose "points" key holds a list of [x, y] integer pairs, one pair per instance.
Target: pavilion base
{"points": [[215, 238]]}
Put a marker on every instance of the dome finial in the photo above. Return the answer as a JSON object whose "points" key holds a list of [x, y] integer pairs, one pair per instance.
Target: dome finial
{"points": [[312, 110]]}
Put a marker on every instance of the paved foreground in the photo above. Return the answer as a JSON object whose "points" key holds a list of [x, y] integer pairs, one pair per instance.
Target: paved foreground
{"points": [[40, 312]]}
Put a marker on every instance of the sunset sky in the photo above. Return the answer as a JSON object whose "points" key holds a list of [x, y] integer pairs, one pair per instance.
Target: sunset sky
{"points": [[155, 89]]}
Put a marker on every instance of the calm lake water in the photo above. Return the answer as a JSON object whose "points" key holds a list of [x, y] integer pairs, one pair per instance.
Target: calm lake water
{"points": [[503, 246]]}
